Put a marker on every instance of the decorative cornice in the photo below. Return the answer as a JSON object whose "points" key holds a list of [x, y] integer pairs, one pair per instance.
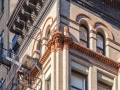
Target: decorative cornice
{"points": [[58, 40], [94, 55], [93, 63]]}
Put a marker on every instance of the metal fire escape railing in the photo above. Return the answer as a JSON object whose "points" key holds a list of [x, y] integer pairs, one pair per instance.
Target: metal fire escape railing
{"points": [[19, 76]]}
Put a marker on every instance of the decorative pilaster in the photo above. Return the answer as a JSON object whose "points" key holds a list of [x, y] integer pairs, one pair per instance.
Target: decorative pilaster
{"points": [[66, 69], [92, 78], [61, 47], [58, 39], [66, 62], [115, 86], [59, 69], [43, 81], [53, 67], [92, 43]]}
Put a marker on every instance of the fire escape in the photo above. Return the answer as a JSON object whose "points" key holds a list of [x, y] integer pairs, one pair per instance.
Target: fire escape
{"points": [[25, 74], [22, 76]]}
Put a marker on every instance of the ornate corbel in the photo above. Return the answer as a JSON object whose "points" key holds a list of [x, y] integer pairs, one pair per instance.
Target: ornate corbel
{"points": [[58, 39]]}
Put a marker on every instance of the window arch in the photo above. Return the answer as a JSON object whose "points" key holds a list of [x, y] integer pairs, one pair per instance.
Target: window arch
{"points": [[48, 35], [38, 49], [48, 32], [39, 45], [84, 36], [100, 44]]}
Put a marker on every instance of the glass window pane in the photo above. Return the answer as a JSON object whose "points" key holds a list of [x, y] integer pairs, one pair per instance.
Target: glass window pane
{"points": [[83, 43], [83, 34], [77, 82], [0, 39], [48, 36], [102, 88], [99, 41], [100, 50], [73, 88]]}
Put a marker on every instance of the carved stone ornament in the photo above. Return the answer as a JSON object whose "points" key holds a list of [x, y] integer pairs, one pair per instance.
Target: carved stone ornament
{"points": [[60, 41]]}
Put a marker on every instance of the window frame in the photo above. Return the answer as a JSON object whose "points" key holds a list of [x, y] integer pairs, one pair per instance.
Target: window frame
{"points": [[77, 73], [101, 35], [103, 84], [87, 32], [47, 35]]}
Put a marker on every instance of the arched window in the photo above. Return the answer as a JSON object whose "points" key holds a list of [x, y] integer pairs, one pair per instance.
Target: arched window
{"points": [[100, 44], [38, 49], [48, 35], [48, 32], [39, 45], [84, 38]]}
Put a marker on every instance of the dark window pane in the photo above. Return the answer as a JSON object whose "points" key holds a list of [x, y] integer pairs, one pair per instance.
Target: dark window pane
{"points": [[48, 32], [2, 5], [48, 36], [14, 40]]}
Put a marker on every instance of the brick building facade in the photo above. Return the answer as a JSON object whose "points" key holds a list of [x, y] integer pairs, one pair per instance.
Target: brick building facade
{"points": [[73, 45]]}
